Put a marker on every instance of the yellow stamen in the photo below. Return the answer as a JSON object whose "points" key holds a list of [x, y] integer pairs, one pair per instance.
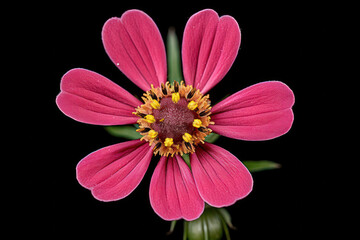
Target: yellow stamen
{"points": [[175, 97], [155, 104], [192, 105], [194, 101], [187, 137], [197, 123], [152, 134], [168, 142], [150, 118]]}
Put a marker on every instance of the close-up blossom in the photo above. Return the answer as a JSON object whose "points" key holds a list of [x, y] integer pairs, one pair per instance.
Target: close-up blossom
{"points": [[173, 119]]}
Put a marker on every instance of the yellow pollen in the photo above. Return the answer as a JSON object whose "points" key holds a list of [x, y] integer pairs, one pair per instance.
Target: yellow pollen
{"points": [[175, 97], [155, 104], [187, 137], [192, 105], [150, 118], [168, 142], [161, 120], [152, 134], [197, 123]]}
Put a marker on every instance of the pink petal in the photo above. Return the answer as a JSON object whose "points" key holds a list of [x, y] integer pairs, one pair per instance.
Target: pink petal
{"points": [[219, 176], [173, 194], [113, 172], [210, 46], [91, 98], [259, 112], [133, 42]]}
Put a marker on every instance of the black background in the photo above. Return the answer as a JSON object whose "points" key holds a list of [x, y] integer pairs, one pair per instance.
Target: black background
{"points": [[285, 42]]}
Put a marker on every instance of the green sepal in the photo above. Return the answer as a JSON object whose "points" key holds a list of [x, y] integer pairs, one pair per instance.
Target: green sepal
{"points": [[186, 158], [186, 227], [209, 226], [172, 227], [226, 217], [212, 137]]}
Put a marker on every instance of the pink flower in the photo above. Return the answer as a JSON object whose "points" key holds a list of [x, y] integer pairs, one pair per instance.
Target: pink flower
{"points": [[173, 119]]}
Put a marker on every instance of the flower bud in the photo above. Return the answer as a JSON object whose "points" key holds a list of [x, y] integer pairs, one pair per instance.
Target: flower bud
{"points": [[208, 226]]}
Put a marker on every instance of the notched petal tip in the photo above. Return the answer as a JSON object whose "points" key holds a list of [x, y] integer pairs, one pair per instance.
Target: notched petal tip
{"points": [[113, 172], [173, 194], [206, 11], [219, 176], [134, 43], [210, 46], [262, 111], [91, 98]]}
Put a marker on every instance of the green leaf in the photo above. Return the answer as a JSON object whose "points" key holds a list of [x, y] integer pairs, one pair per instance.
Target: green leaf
{"points": [[257, 166], [123, 131], [226, 217], [173, 57], [212, 137]]}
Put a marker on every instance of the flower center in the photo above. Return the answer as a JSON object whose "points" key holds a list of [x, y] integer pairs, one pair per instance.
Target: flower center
{"points": [[174, 119]]}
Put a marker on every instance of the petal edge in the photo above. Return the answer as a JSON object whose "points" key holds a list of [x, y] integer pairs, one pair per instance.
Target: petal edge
{"points": [[259, 112], [173, 194], [89, 97], [134, 44], [113, 172], [210, 46], [219, 176]]}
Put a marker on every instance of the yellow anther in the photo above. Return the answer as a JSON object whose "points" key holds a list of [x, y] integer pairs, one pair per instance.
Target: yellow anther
{"points": [[152, 134], [155, 104], [168, 142], [197, 123], [192, 105], [150, 118], [161, 120], [175, 97], [187, 137]]}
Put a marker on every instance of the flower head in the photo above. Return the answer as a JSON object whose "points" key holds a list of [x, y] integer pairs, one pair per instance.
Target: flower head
{"points": [[173, 119]]}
